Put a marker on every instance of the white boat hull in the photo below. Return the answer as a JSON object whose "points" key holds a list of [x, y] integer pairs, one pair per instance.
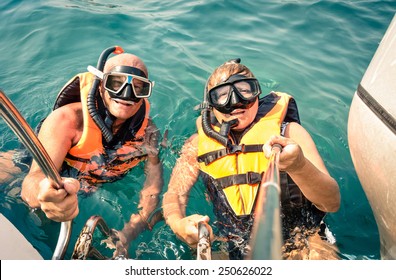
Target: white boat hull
{"points": [[372, 138], [13, 244]]}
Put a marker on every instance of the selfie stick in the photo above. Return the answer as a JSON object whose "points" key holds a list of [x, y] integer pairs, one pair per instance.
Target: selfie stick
{"points": [[266, 239]]}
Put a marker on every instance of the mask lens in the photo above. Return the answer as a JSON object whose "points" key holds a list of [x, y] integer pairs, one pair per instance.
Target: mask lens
{"points": [[220, 95], [115, 82], [248, 89], [141, 87]]}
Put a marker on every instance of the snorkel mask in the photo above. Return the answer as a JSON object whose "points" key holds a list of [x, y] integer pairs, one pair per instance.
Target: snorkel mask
{"points": [[237, 92], [125, 83], [121, 82]]}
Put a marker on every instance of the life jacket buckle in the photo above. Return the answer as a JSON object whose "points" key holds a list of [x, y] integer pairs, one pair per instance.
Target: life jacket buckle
{"points": [[236, 149], [252, 177]]}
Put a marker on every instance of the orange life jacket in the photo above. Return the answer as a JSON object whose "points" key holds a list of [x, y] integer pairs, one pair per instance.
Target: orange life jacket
{"points": [[90, 160]]}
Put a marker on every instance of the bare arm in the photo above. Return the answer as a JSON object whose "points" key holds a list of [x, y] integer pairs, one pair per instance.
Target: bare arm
{"points": [[57, 135], [184, 176], [148, 203], [301, 160], [149, 195]]}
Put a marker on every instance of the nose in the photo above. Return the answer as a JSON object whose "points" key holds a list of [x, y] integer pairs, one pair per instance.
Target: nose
{"points": [[127, 92], [234, 100]]}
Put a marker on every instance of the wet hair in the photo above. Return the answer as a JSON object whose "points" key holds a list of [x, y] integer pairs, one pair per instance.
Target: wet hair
{"points": [[226, 70]]}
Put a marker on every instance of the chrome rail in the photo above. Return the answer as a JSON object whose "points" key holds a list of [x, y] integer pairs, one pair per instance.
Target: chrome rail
{"points": [[83, 248], [26, 135]]}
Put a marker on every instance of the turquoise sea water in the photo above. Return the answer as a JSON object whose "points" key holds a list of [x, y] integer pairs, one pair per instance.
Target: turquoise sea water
{"points": [[317, 51]]}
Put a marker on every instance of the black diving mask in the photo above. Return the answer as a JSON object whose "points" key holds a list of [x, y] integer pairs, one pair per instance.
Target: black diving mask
{"points": [[237, 92], [125, 82]]}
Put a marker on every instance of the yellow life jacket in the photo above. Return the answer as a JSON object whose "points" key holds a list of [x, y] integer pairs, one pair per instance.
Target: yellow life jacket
{"points": [[92, 162], [235, 174], [232, 176]]}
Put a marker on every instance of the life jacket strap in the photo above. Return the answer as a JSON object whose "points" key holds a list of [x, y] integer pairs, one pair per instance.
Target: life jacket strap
{"points": [[233, 149], [237, 179]]}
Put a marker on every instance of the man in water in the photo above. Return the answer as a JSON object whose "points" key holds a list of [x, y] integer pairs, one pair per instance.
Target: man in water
{"points": [[228, 152], [99, 130]]}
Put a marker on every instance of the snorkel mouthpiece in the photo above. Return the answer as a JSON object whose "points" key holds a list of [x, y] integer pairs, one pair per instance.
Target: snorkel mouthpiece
{"points": [[91, 100], [210, 132], [226, 126]]}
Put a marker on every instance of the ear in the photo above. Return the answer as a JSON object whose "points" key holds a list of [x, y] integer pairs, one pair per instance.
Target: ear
{"points": [[102, 90]]}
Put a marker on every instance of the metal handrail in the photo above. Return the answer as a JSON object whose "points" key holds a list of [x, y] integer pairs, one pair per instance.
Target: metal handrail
{"points": [[266, 239], [26, 135], [83, 248]]}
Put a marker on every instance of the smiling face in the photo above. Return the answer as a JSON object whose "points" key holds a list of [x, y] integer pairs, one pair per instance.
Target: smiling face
{"points": [[119, 108]]}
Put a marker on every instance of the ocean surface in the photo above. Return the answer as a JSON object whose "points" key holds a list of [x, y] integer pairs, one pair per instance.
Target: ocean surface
{"points": [[316, 51]]}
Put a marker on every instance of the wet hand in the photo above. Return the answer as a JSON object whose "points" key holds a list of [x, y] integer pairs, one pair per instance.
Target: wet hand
{"points": [[291, 158], [59, 204], [187, 229]]}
